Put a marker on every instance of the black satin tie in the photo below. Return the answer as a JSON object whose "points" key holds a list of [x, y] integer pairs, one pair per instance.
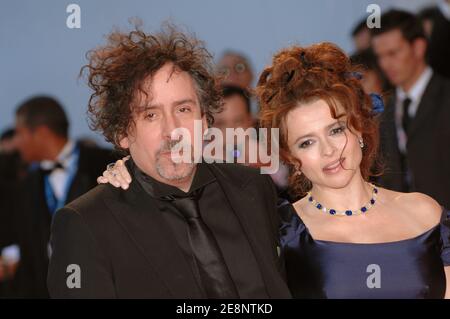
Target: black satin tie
{"points": [[406, 119], [214, 274]]}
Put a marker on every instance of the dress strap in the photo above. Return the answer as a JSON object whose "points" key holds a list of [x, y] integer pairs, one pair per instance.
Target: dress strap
{"points": [[291, 223]]}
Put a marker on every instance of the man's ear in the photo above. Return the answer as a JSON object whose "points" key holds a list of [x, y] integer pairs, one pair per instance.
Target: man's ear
{"points": [[124, 142], [127, 139], [204, 124], [420, 48]]}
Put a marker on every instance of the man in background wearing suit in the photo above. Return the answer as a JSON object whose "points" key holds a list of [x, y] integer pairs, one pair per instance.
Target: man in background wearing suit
{"points": [[415, 128], [181, 230], [60, 171]]}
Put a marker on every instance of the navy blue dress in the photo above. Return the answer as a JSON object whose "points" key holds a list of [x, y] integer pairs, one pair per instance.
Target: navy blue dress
{"points": [[411, 268]]}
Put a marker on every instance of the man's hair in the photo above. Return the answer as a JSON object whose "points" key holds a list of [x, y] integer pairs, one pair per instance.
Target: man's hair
{"points": [[360, 26], [118, 69], [409, 25], [231, 90], [46, 111]]}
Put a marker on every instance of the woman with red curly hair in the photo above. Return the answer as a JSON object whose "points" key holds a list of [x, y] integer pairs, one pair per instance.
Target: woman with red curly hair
{"points": [[347, 238]]}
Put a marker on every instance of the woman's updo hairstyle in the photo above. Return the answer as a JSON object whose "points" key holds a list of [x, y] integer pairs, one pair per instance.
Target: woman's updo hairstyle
{"points": [[301, 75]]}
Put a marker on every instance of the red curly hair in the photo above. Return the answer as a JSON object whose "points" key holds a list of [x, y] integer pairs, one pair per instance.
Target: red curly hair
{"points": [[300, 75]]}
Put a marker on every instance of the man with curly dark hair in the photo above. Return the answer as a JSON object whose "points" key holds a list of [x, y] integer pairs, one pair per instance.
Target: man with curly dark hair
{"points": [[181, 230]]}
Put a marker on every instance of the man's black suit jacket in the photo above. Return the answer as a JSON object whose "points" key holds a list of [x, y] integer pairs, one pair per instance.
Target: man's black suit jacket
{"points": [[428, 145], [124, 249], [29, 220]]}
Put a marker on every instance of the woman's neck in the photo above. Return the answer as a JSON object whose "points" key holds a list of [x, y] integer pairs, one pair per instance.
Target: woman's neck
{"points": [[352, 196]]}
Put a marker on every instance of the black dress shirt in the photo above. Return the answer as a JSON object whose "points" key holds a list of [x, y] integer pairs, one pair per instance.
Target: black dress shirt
{"points": [[220, 218]]}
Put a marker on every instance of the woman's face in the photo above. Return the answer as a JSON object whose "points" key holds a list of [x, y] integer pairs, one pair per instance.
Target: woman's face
{"points": [[329, 152]]}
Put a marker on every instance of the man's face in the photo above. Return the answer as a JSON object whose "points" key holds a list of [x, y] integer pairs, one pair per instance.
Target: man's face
{"points": [[171, 103], [234, 115], [371, 82], [397, 57], [235, 71], [27, 142]]}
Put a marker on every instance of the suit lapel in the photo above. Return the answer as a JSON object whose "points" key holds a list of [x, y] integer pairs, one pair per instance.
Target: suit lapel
{"points": [[81, 182], [141, 218]]}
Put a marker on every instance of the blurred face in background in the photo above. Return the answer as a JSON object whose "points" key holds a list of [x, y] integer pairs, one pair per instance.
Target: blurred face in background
{"points": [[401, 61], [28, 141], [235, 71]]}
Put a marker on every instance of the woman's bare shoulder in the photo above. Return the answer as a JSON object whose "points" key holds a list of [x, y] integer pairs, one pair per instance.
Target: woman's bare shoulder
{"points": [[419, 206]]}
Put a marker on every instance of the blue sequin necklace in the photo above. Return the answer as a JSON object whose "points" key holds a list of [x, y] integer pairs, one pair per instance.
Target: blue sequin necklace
{"points": [[348, 212]]}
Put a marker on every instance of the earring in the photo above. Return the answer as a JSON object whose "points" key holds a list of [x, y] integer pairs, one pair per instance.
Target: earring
{"points": [[361, 142], [205, 134]]}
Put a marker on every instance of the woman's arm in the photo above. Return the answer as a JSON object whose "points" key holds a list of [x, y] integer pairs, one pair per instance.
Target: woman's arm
{"points": [[447, 276]]}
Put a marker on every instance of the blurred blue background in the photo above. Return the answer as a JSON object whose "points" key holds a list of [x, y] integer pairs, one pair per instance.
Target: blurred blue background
{"points": [[39, 54]]}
